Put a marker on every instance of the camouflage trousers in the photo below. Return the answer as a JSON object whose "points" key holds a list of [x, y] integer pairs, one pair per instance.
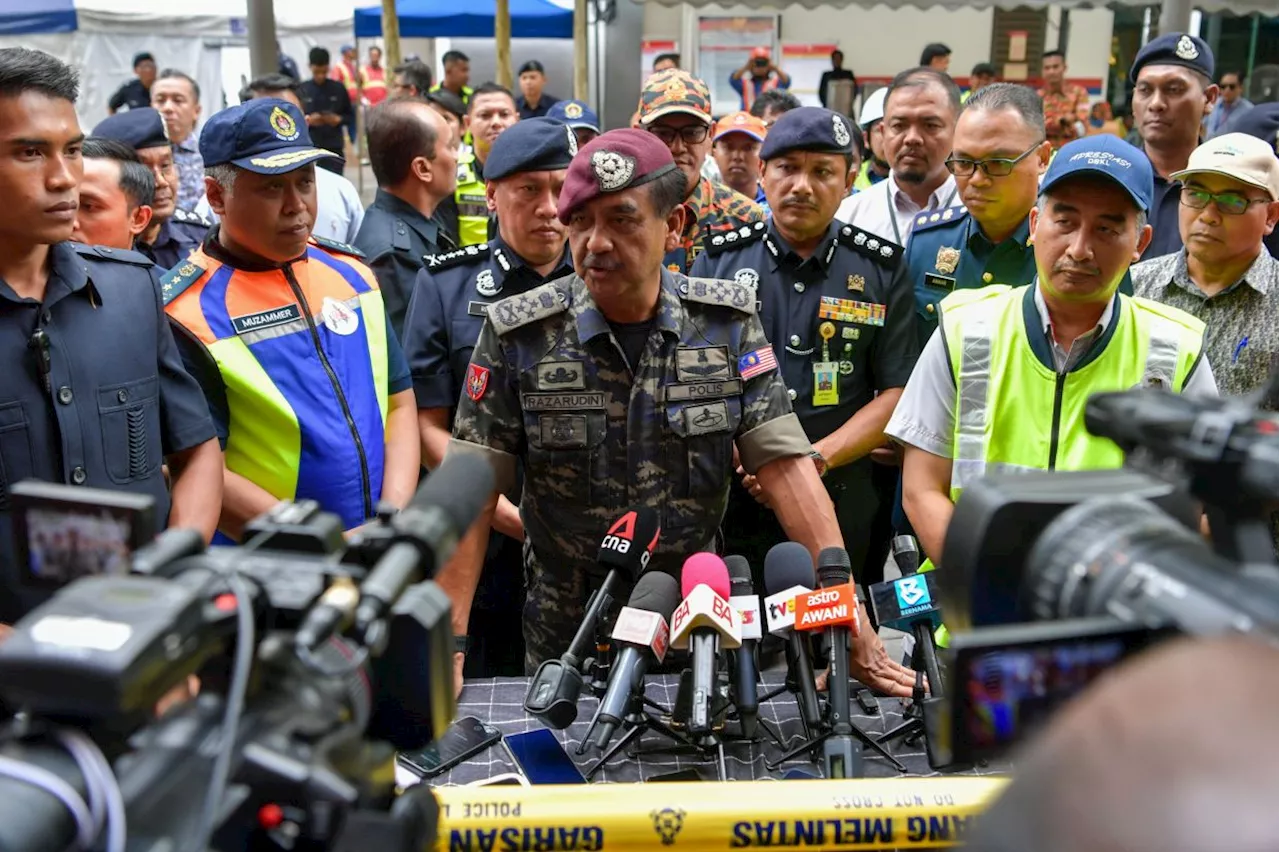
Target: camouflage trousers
{"points": [[555, 602]]}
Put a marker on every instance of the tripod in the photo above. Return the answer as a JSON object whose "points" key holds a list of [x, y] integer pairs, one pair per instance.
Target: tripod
{"points": [[924, 660], [813, 740], [635, 724]]}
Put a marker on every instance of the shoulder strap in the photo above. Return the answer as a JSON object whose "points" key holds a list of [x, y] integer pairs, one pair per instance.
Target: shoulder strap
{"points": [[937, 218], [528, 307], [437, 262], [718, 292], [882, 251], [174, 282], [742, 236], [113, 254], [334, 245]]}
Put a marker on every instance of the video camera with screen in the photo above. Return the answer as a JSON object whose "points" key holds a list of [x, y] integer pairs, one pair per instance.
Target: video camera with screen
{"points": [[1049, 578], [317, 659]]}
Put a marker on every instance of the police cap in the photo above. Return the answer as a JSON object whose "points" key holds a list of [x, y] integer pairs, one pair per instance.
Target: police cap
{"points": [[612, 162], [533, 145], [575, 114], [265, 135], [808, 129], [1174, 49], [138, 128]]}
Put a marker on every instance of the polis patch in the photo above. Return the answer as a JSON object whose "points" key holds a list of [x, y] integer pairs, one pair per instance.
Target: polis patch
{"points": [[271, 318], [702, 390]]}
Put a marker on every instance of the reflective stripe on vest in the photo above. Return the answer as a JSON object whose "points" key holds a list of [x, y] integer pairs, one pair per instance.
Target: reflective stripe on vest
{"points": [[287, 430], [1005, 397], [473, 208]]}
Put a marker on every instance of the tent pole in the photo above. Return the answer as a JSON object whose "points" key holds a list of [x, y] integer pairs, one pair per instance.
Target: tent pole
{"points": [[502, 40], [263, 56], [580, 50], [390, 35]]}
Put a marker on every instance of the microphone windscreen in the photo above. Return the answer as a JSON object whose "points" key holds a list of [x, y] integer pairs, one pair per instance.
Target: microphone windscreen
{"points": [[630, 540], [739, 574], [655, 591], [459, 488], [833, 566], [787, 564], [705, 569]]}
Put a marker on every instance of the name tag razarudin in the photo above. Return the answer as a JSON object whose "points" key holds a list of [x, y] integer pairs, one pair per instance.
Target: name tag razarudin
{"points": [[266, 319], [562, 401]]}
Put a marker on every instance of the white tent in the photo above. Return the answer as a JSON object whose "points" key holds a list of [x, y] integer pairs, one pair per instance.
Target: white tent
{"points": [[204, 38]]}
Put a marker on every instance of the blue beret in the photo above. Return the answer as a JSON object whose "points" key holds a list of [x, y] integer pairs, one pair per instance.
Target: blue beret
{"points": [[137, 128], [1174, 49], [265, 135], [575, 114], [808, 129], [532, 145], [1106, 156]]}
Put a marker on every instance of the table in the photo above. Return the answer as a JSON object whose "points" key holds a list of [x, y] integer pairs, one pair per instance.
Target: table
{"points": [[500, 702]]}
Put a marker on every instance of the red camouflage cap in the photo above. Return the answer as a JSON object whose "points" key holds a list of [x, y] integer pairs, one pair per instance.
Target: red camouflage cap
{"points": [[612, 162]]}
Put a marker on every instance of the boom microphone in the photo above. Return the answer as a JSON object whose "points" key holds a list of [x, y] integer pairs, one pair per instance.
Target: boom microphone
{"points": [[641, 632], [624, 551], [788, 572], [746, 675], [704, 622]]}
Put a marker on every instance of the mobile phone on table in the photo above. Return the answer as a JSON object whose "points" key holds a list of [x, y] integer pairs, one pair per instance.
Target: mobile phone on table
{"points": [[465, 738], [505, 779], [542, 759]]}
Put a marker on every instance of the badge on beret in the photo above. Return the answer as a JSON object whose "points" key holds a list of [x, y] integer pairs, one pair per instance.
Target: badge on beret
{"points": [[747, 277], [485, 285], [282, 123], [1186, 49], [613, 171], [841, 132], [572, 110], [573, 141], [948, 259]]}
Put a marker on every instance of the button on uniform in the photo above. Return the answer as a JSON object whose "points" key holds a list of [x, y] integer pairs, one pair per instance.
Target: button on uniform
{"points": [[799, 287], [78, 476], [64, 395]]}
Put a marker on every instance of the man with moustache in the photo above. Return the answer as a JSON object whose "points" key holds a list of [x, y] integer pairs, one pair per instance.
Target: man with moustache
{"points": [[465, 217], [1002, 384], [451, 298], [920, 111], [288, 336], [833, 301], [668, 374]]}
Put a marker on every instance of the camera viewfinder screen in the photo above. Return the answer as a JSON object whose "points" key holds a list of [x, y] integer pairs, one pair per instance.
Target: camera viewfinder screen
{"points": [[65, 545]]}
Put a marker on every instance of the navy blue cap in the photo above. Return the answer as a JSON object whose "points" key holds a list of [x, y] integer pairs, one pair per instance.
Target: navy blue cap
{"points": [[1174, 49], [265, 135], [533, 145], [1108, 156], [137, 128], [575, 114], [808, 129], [1261, 121]]}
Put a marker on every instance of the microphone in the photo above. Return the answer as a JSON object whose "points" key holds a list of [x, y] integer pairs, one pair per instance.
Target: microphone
{"points": [[641, 632], [743, 661], [704, 622], [788, 572], [835, 608], [910, 604], [625, 550]]}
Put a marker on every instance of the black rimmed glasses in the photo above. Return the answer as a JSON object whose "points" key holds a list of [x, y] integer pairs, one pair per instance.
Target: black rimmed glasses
{"points": [[993, 167], [692, 134]]}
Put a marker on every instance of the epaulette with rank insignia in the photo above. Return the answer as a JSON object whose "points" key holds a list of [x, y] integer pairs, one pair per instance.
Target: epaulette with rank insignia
{"points": [[109, 253], [436, 262], [190, 217], [533, 305], [717, 291], [938, 218], [882, 251], [334, 245], [178, 279], [722, 242]]}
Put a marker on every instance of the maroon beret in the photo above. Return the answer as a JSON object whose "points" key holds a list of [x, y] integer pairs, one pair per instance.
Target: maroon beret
{"points": [[612, 162]]}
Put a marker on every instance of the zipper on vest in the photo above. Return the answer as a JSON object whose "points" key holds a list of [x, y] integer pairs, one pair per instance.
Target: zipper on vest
{"points": [[337, 390], [1059, 385]]}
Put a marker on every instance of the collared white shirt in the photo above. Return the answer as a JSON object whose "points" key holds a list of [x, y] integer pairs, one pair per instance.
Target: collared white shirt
{"points": [[888, 212]]}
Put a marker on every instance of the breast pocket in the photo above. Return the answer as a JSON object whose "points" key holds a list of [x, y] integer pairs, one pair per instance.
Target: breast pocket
{"points": [[567, 457], [701, 444], [129, 416], [15, 448]]}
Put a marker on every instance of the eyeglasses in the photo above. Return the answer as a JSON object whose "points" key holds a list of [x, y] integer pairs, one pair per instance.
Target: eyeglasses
{"points": [[692, 134], [993, 167], [1230, 203]]}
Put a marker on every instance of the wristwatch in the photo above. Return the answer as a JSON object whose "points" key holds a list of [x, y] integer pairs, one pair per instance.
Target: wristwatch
{"points": [[820, 460], [461, 644]]}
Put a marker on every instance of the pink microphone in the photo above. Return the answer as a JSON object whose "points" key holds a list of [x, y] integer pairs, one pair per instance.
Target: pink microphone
{"points": [[705, 569]]}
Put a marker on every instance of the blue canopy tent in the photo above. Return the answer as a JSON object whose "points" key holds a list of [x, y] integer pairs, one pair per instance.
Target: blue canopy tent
{"points": [[37, 16], [441, 19]]}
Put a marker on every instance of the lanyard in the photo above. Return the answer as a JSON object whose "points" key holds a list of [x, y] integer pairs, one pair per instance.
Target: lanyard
{"points": [[893, 211]]}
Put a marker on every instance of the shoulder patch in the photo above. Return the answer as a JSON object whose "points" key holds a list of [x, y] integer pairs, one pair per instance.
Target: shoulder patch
{"points": [[334, 245], [524, 308], [115, 254], [190, 217], [400, 236], [178, 279], [714, 244], [436, 262], [884, 252], [717, 291], [939, 218]]}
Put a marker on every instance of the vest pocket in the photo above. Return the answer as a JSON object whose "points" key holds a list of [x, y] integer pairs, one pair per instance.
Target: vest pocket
{"points": [[130, 418], [701, 444], [565, 453]]}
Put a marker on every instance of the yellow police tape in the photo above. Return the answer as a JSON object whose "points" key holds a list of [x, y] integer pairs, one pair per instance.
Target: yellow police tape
{"points": [[912, 813]]}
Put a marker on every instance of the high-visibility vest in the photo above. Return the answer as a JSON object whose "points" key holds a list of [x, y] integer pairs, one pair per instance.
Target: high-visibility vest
{"points": [[473, 209], [302, 353], [373, 83], [347, 76]]}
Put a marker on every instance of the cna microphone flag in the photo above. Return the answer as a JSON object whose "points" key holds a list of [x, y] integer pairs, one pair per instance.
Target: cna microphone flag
{"points": [[754, 363]]}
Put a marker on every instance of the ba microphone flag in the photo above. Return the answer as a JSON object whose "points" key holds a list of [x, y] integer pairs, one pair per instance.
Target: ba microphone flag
{"points": [[642, 627], [704, 608], [826, 607], [754, 363]]}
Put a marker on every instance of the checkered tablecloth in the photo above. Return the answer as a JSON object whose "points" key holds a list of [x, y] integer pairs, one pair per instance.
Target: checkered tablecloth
{"points": [[500, 702]]}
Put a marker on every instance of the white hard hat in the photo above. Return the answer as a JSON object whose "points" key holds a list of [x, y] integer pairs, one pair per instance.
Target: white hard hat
{"points": [[873, 108]]}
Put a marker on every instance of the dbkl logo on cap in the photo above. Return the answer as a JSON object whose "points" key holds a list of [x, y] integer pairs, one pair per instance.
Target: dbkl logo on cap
{"points": [[283, 124]]}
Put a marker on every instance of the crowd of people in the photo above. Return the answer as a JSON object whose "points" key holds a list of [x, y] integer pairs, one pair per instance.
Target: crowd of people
{"points": [[775, 324]]}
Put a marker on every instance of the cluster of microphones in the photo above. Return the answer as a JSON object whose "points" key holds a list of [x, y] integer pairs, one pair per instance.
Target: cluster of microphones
{"points": [[714, 614]]}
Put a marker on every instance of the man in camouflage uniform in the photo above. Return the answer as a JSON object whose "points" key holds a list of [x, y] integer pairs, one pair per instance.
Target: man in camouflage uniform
{"points": [[675, 106], [628, 384]]}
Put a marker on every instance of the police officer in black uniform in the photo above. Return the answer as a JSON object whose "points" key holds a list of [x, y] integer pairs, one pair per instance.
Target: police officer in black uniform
{"points": [[173, 232], [94, 392], [839, 314], [523, 174]]}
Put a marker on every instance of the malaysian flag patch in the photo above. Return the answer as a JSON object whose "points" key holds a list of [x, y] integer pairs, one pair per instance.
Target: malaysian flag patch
{"points": [[754, 363]]}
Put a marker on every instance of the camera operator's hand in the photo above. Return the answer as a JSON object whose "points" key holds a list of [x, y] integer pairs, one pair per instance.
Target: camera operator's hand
{"points": [[459, 659]]}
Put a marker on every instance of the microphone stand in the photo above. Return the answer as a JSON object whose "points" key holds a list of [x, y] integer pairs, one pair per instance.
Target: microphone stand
{"points": [[635, 723], [924, 661]]}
